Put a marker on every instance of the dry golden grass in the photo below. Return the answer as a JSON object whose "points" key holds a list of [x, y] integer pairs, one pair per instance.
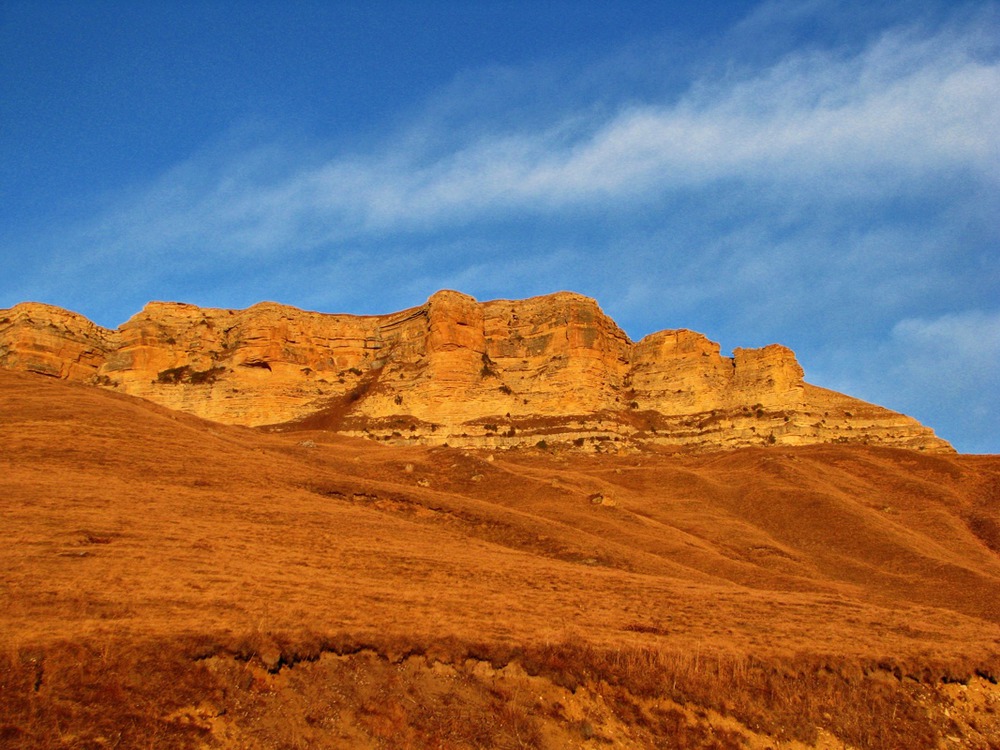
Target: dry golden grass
{"points": [[168, 582]]}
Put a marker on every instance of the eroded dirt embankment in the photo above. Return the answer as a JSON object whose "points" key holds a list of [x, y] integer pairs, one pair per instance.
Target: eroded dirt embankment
{"points": [[263, 691]]}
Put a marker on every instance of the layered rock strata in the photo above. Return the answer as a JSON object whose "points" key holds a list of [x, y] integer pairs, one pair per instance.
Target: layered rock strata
{"points": [[505, 373]]}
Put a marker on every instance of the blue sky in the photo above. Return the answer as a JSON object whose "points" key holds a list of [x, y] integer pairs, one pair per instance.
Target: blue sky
{"points": [[816, 173]]}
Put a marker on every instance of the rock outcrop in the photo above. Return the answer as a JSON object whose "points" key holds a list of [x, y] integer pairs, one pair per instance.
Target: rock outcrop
{"points": [[495, 374]]}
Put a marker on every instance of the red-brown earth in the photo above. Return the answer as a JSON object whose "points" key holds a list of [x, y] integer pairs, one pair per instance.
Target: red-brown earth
{"points": [[171, 582]]}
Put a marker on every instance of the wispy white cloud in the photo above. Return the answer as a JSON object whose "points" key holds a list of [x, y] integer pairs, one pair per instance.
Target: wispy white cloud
{"points": [[942, 369], [955, 352], [908, 107]]}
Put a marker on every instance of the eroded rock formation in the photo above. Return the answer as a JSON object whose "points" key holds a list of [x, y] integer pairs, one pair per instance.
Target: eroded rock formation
{"points": [[494, 374]]}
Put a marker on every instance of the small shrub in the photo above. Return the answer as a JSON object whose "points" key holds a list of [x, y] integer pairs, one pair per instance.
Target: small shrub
{"points": [[206, 377], [488, 369], [184, 374], [173, 375]]}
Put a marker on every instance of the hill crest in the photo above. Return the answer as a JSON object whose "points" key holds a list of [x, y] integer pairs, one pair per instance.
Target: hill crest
{"points": [[553, 369]]}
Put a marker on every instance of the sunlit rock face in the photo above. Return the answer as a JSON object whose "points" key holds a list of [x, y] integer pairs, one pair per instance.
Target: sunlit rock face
{"points": [[55, 342], [553, 370]]}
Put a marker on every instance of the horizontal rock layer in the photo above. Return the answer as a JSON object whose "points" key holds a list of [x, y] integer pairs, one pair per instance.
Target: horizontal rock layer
{"points": [[494, 374]]}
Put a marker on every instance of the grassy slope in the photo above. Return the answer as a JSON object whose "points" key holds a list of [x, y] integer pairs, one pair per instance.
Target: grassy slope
{"points": [[168, 580]]}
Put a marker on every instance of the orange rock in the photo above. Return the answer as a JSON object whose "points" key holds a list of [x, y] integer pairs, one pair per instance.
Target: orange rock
{"points": [[495, 374], [51, 341]]}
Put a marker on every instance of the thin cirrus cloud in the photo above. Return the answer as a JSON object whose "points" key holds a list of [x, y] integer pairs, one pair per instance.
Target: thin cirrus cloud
{"points": [[865, 115], [942, 368], [968, 337], [908, 107]]}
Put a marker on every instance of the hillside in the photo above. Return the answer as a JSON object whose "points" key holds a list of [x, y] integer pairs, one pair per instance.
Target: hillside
{"points": [[499, 374], [173, 582]]}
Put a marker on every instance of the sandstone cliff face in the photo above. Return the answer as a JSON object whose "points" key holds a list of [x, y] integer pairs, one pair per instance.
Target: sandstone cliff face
{"points": [[496, 374], [51, 341]]}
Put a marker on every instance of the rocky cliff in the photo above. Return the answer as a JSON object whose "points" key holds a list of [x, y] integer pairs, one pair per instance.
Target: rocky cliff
{"points": [[493, 374]]}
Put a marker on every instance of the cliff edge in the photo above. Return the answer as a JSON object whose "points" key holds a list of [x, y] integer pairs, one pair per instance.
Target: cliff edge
{"points": [[498, 374]]}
